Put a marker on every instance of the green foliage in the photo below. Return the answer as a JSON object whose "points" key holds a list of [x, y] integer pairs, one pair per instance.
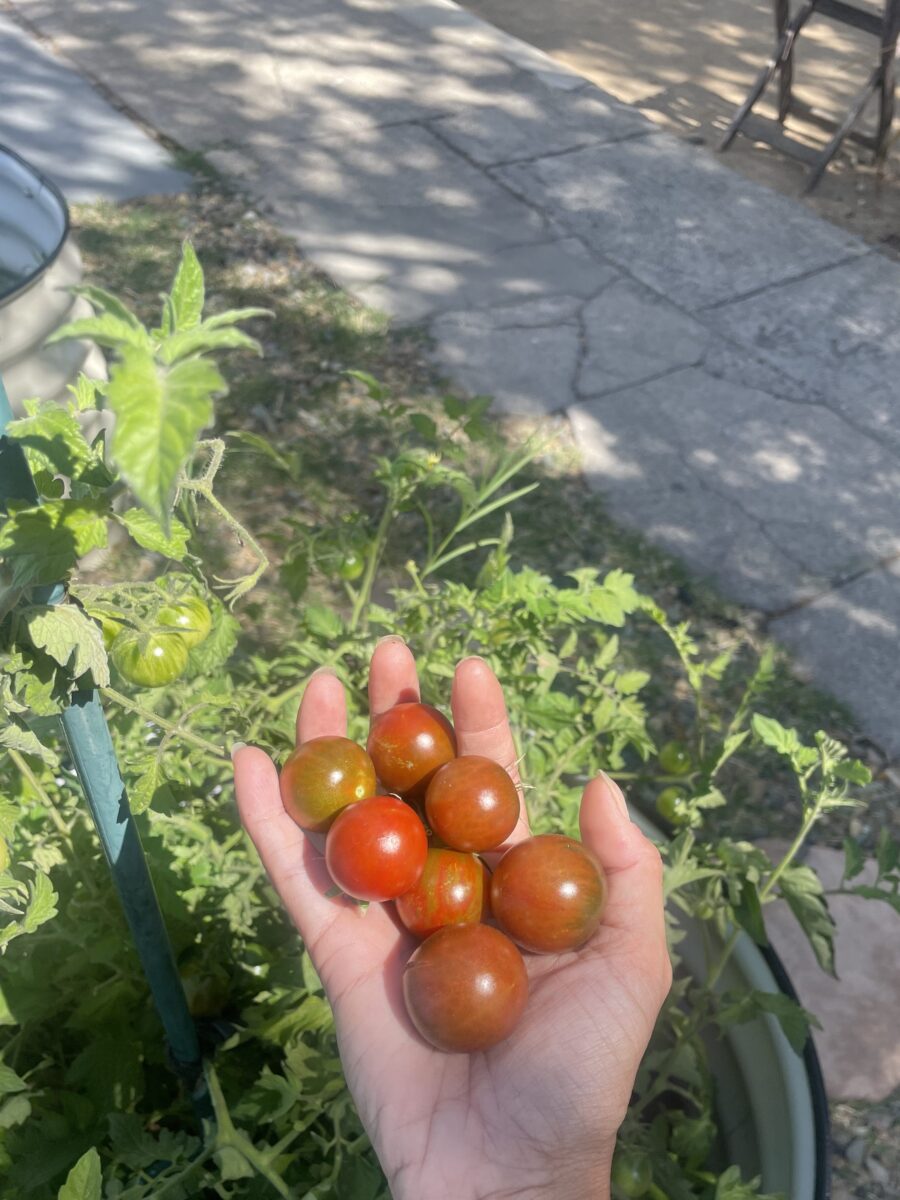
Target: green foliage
{"points": [[87, 1106]]}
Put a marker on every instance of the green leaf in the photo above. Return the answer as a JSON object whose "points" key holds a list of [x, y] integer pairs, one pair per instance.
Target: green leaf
{"points": [[423, 425], [853, 771], [41, 903], [877, 893], [53, 441], [149, 785], [376, 390], [630, 682], [233, 315], [42, 544], [85, 1180], [748, 913], [854, 858], [679, 875], [887, 854], [159, 415], [202, 340], [10, 1082], [106, 330], [26, 741], [736, 1008], [84, 393], [188, 293], [784, 741], [70, 637], [263, 446], [323, 622], [104, 301], [149, 533], [801, 888], [294, 574]]}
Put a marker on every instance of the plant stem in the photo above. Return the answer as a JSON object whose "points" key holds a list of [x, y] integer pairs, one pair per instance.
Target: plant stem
{"points": [[227, 1136], [170, 727], [376, 550], [55, 816], [808, 821]]}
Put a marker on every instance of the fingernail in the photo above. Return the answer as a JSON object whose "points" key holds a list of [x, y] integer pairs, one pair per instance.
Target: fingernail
{"points": [[235, 746], [387, 639], [471, 658], [324, 670], [617, 796]]}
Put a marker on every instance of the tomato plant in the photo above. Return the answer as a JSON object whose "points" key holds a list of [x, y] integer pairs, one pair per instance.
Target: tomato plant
{"points": [[376, 849], [407, 744], [351, 566], [472, 803], [321, 777], [453, 889], [149, 659], [189, 616], [548, 893], [465, 988]]}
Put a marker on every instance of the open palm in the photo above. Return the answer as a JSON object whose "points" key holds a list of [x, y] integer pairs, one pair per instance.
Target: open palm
{"points": [[537, 1115]]}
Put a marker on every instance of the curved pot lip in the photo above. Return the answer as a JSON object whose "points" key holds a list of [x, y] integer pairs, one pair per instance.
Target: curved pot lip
{"points": [[818, 1094], [811, 1064], [51, 187]]}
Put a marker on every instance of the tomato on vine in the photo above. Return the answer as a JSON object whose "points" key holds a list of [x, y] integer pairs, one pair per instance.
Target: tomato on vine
{"points": [[190, 617], [351, 566], [675, 758], [632, 1175], [110, 627], [149, 659], [672, 805]]}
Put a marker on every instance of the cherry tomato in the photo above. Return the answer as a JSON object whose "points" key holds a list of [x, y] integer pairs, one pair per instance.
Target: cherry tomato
{"points": [[472, 804], [110, 627], [632, 1174], [149, 659], [452, 890], [548, 893], [675, 758], [671, 804], [407, 744], [376, 849], [352, 566], [465, 988], [323, 776], [190, 617]]}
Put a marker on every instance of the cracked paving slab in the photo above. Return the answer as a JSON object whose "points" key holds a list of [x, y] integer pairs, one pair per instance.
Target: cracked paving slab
{"points": [[838, 332], [680, 221], [863, 615], [733, 480], [525, 355]]}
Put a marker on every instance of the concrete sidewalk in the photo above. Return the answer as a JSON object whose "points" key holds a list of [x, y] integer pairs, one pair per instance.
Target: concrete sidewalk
{"points": [[729, 362]]}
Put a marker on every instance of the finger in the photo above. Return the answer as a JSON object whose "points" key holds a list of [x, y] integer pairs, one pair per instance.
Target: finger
{"points": [[392, 677], [482, 725], [323, 709], [339, 940], [631, 861]]}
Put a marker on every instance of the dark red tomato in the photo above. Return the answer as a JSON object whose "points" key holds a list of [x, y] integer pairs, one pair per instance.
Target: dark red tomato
{"points": [[407, 744], [472, 804], [465, 988], [323, 776], [548, 893], [376, 849], [452, 890]]}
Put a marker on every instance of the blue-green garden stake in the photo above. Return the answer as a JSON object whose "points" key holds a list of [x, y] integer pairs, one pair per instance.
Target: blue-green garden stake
{"points": [[94, 757]]}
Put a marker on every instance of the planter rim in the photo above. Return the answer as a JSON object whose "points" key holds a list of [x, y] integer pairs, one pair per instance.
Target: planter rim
{"points": [[821, 1122], [46, 183]]}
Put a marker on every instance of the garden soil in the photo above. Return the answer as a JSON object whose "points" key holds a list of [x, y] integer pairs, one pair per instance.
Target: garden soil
{"points": [[688, 64]]}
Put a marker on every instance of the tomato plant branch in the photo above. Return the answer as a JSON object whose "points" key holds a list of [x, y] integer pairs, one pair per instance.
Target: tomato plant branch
{"points": [[171, 727], [55, 816], [376, 550], [229, 1137]]}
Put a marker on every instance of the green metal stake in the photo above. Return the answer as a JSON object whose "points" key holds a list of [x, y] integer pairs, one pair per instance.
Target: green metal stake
{"points": [[90, 744]]}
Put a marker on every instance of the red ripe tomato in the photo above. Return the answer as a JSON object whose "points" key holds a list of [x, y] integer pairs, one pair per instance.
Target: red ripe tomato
{"points": [[472, 804], [407, 744], [323, 776], [465, 988], [548, 893], [376, 849], [452, 890]]}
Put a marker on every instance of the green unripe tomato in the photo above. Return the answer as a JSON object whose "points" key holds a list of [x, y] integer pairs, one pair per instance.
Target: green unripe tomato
{"points": [[206, 989], [352, 566], [632, 1174], [149, 659], [190, 617], [671, 804], [110, 628], [675, 758]]}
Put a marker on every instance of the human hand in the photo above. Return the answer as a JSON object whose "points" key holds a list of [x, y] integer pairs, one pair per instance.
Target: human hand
{"points": [[534, 1118]]}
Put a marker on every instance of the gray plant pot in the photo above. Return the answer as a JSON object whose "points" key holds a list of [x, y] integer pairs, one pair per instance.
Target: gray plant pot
{"points": [[39, 264], [771, 1104]]}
